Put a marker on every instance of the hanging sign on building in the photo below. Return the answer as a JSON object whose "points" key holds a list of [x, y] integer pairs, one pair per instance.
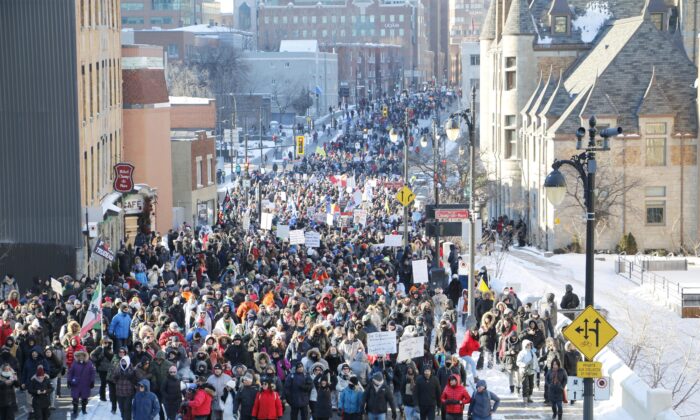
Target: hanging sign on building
{"points": [[123, 177]]}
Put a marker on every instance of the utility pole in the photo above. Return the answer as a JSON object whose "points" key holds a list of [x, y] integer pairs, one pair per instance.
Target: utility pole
{"points": [[247, 175], [262, 163], [436, 193], [233, 127], [405, 178], [472, 204]]}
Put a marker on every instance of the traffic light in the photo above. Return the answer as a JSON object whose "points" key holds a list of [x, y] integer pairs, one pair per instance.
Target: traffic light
{"points": [[385, 111], [300, 145]]}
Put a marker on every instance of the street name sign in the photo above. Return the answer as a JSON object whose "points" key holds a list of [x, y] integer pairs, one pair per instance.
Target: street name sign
{"points": [[451, 215], [590, 332]]}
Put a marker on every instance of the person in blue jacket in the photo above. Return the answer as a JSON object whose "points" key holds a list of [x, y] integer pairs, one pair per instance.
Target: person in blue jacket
{"points": [[120, 327], [146, 405], [480, 407], [350, 400]]}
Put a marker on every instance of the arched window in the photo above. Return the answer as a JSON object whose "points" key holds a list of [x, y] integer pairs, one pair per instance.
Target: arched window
{"points": [[244, 20]]}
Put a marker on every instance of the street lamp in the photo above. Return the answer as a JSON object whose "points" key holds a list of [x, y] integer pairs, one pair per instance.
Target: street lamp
{"points": [[452, 128], [394, 136], [555, 188]]}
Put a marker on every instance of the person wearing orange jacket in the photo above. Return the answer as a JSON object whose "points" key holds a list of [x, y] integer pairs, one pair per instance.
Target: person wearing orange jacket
{"points": [[201, 403], [268, 404], [454, 397], [246, 306]]}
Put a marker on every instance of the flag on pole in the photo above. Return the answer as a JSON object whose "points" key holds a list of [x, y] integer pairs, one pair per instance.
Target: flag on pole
{"points": [[483, 287], [94, 312], [320, 151]]}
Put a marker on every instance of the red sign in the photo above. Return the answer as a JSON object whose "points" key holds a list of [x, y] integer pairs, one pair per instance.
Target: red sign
{"points": [[396, 184], [452, 214], [123, 177]]}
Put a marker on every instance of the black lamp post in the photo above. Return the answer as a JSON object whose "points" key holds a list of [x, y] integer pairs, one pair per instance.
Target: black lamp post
{"points": [[394, 136], [452, 129], [555, 185]]}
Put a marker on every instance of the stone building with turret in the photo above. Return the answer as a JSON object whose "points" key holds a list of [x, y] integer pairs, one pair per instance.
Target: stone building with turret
{"points": [[547, 66]]}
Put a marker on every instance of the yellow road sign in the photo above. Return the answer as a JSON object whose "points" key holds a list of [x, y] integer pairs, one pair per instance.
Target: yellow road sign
{"points": [[300, 145], [589, 369], [405, 196], [590, 332], [385, 111]]}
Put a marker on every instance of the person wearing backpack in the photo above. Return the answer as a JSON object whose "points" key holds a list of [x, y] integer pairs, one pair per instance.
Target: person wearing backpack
{"points": [[480, 407]]}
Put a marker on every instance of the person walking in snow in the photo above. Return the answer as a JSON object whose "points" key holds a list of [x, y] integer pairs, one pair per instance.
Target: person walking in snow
{"points": [[555, 381], [528, 365], [480, 407]]}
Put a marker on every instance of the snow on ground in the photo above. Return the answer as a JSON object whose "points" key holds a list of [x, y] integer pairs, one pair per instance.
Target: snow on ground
{"points": [[634, 311]]}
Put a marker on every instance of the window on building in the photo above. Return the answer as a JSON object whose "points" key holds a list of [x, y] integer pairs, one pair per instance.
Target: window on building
{"points": [[510, 62], [401, 18], [401, 32], [304, 19], [392, 33], [655, 128], [132, 20], [655, 212], [313, 19], [287, 63], [199, 172], [295, 19], [342, 32], [127, 5], [655, 152], [284, 19], [275, 19], [84, 88], [382, 32], [509, 121], [511, 145], [334, 19], [210, 168], [658, 20], [313, 32], [363, 18], [474, 83], [324, 33], [382, 18], [392, 18], [90, 102], [475, 60], [362, 32], [561, 24], [354, 32], [371, 18], [173, 51], [266, 19], [342, 19], [324, 19], [353, 19], [510, 79], [161, 20]]}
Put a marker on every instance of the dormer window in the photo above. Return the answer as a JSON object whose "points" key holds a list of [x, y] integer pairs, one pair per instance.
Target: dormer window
{"points": [[658, 20], [560, 25]]}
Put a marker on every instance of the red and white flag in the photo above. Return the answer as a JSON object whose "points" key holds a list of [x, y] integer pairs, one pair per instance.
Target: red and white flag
{"points": [[94, 313]]}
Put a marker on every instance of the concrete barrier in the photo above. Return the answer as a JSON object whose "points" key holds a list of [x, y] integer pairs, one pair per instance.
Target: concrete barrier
{"points": [[628, 390]]}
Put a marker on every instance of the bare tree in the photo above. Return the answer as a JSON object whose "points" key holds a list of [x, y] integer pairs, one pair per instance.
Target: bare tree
{"points": [[302, 101], [185, 80], [282, 94]]}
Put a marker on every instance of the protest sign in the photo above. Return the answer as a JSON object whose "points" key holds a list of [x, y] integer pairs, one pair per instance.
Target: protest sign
{"points": [[410, 348], [312, 239], [381, 342], [296, 237], [283, 231], [393, 240], [420, 271]]}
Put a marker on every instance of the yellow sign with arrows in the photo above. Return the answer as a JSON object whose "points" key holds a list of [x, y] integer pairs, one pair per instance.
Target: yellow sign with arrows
{"points": [[405, 196], [590, 332]]}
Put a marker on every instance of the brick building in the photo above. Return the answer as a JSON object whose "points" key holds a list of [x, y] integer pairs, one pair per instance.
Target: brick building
{"points": [[412, 25], [194, 177]]}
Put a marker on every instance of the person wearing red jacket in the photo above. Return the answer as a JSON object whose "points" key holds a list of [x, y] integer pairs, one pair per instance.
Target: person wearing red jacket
{"points": [[268, 404], [200, 405], [5, 329], [469, 345], [454, 397], [172, 331]]}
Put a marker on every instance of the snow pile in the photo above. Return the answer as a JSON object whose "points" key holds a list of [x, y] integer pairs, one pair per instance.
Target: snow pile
{"points": [[595, 16]]}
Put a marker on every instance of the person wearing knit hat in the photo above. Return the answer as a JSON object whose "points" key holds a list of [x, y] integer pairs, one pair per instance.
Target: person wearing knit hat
{"points": [[379, 398], [297, 388], [40, 389]]}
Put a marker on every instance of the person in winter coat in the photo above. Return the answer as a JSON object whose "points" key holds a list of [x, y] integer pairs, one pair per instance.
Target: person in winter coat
{"points": [[81, 379], [487, 340], [323, 409], [120, 327], [349, 347], [406, 389], [297, 388], [227, 400], [480, 407], [350, 400], [510, 361], [548, 309], [172, 396], [55, 367], [35, 360], [555, 381], [527, 366], [571, 359], [200, 405], [454, 397], [429, 393], [237, 353], [101, 358], [245, 398], [378, 398], [469, 345], [218, 381], [551, 353], [40, 388], [268, 404], [569, 300], [124, 379], [145, 405], [8, 400], [360, 367]]}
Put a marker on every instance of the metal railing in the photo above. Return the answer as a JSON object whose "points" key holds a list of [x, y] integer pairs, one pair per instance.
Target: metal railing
{"points": [[675, 295]]}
